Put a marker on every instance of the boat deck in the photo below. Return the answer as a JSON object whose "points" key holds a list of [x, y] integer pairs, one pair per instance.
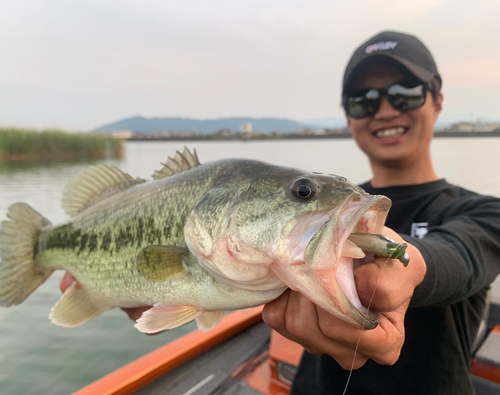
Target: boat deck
{"points": [[494, 316], [202, 376], [242, 356]]}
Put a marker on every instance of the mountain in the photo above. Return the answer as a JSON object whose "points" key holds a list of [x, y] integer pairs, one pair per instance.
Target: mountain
{"points": [[205, 126], [328, 122]]}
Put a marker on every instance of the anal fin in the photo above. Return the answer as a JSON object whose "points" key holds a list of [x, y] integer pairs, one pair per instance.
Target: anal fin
{"points": [[162, 317], [209, 320], [75, 307]]}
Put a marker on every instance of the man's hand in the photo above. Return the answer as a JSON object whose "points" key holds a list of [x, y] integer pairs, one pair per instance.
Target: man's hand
{"points": [[298, 319], [133, 312]]}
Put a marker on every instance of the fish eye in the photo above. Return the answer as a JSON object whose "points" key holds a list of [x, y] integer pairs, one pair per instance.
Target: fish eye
{"points": [[304, 189]]}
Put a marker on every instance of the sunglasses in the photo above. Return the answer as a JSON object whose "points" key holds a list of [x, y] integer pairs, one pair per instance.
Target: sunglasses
{"points": [[402, 98]]}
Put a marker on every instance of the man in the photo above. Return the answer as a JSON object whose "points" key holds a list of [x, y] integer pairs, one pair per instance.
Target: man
{"points": [[423, 344], [430, 310]]}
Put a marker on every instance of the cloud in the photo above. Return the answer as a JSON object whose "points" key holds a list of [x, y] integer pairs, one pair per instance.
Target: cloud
{"points": [[404, 9], [83, 63], [474, 73]]}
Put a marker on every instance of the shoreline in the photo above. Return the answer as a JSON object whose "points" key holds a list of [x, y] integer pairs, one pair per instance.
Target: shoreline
{"points": [[41, 157], [31, 145], [298, 137], [63, 156]]}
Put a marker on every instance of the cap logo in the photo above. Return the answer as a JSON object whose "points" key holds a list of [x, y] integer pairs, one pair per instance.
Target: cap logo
{"points": [[381, 46]]}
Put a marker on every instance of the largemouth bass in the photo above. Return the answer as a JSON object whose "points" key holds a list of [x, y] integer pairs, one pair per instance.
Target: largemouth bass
{"points": [[194, 242]]}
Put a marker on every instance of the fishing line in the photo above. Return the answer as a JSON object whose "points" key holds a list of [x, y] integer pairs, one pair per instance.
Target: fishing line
{"points": [[363, 326]]}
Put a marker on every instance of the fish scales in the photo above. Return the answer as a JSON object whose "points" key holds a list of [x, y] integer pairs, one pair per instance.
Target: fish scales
{"points": [[196, 241], [100, 245], [105, 239]]}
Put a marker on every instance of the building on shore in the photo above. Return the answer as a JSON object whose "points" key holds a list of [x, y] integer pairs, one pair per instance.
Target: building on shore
{"points": [[223, 133], [176, 134], [471, 127], [246, 130], [122, 134]]}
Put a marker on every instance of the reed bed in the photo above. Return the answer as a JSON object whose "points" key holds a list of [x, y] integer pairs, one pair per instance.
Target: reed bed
{"points": [[56, 144]]}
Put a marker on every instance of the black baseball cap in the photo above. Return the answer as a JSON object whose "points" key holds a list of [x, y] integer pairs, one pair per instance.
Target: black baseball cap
{"points": [[405, 49]]}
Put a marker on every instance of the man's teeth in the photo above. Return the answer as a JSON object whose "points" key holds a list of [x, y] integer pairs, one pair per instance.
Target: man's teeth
{"points": [[351, 250], [392, 132]]}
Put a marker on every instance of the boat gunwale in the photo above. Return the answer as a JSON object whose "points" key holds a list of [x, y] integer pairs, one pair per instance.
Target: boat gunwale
{"points": [[148, 368]]}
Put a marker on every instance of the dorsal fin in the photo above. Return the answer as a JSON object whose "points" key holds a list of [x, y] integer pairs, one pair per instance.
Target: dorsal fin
{"points": [[94, 184], [181, 162]]}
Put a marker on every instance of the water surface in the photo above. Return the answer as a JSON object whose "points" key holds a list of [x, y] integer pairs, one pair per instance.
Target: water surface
{"points": [[37, 357]]}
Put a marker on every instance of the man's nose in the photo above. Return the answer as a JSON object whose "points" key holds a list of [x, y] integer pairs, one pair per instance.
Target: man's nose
{"points": [[386, 110]]}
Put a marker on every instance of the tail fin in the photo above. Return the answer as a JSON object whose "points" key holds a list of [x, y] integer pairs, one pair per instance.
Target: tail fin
{"points": [[19, 275]]}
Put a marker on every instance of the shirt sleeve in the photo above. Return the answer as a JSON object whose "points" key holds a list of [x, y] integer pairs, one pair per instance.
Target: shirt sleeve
{"points": [[462, 254]]}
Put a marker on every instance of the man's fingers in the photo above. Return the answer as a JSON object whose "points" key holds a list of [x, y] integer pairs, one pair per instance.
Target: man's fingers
{"points": [[296, 317], [66, 282], [275, 315], [386, 283], [274, 311], [381, 285], [135, 312], [331, 327]]}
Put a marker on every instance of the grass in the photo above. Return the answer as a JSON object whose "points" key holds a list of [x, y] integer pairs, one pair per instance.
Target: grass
{"points": [[56, 144]]}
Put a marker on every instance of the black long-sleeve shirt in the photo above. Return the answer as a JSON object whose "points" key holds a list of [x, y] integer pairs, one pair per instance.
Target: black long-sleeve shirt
{"points": [[462, 251]]}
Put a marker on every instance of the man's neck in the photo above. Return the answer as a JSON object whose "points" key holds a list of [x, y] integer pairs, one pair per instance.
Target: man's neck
{"points": [[418, 173]]}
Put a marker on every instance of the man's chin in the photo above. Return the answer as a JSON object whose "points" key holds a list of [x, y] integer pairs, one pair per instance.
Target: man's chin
{"points": [[393, 160]]}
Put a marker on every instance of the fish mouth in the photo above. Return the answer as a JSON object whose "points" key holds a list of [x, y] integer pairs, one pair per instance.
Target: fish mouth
{"points": [[334, 257]]}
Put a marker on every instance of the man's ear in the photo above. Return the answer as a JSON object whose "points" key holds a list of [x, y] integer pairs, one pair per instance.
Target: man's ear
{"points": [[438, 106]]}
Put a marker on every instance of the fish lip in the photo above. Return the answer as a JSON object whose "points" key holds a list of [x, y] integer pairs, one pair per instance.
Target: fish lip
{"points": [[349, 221], [380, 205], [374, 203], [313, 252], [354, 216], [367, 319]]}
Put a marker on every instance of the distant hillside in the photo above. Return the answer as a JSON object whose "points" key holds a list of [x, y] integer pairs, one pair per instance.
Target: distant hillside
{"points": [[329, 122], [205, 126]]}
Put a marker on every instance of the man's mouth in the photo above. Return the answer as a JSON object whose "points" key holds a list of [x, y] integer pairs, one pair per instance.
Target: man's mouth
{"points": [[390, 132]]}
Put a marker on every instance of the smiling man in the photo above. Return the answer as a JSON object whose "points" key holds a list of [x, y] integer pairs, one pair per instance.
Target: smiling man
{"points": [[391, 95], [431, 310]]}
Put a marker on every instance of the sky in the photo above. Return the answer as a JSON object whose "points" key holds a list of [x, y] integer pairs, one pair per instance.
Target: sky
{"points": [[80, 64]]}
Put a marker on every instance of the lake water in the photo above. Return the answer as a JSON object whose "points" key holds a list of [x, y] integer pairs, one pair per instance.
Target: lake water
{"points": [[37, 357]]}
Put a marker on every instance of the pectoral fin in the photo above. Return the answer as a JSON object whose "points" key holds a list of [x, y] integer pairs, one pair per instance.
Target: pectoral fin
{"points": [[161, 263], [162, 317], [208, 320], [75, 307]]}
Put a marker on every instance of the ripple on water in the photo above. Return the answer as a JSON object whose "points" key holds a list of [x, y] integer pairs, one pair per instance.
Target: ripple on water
{"points": [[38, 357]]}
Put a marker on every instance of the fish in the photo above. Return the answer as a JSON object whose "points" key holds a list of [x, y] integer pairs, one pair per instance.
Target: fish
{"points": [[195, 241]]}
